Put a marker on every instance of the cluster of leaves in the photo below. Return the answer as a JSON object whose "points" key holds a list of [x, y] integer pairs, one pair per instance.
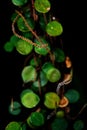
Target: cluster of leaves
{"points": [[36, 35]]}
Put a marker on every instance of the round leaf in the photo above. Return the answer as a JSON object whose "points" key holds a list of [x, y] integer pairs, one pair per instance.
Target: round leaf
{"points": [[19, 2], [59, 55], [14, 40], [78, 125], [42, 6], [8, 47], [59, 124], [36, 119], [29, 74], [13, 126], [53, 75], [15, 109], [29, 99], [46, 66], [51, 100], [21, 24], [41, 50], [72, 95], [54, 28], [23, 47], [60, 113]]}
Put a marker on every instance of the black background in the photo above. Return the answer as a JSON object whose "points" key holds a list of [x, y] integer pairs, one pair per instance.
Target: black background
{"points": [[73, 17]]}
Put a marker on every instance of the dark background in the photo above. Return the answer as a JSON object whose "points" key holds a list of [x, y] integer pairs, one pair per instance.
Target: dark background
{"points": [[73, 17]]}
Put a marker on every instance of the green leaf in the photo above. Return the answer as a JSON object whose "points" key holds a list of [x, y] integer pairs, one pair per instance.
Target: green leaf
{"points": [[27, 12], [59, 55], [8, 46], [53, 74], [21, 24], [13, 126], [36, 119], [43, 26], [72, 95], [46, 66], [51, 100], [59, 124], [14, 39], [35, 62], [29, 99], [78, 125], [13, 16], [42, 6], [23, 125], [54, 28], [15, 109], [43, 81], [41, 50], [42, 23], [29, 74], [43, 78], [19, 2], [23, 47], [28, 35], [60, 114]]}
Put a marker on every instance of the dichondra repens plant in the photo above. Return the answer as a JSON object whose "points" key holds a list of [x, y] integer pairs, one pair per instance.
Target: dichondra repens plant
{"points": [[47, 70]]}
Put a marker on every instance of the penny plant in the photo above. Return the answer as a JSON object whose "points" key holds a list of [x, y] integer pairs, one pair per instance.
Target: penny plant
{"points": [[37, 35]]}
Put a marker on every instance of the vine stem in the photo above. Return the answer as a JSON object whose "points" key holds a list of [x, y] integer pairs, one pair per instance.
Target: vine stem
{"points": [[27, 25], [28, 40], [12, 104], [35, 16], [22, 37], [73, 118]]}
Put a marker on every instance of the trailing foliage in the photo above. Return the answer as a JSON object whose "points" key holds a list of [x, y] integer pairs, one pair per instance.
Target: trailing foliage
{"points": [[47, 70]]}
